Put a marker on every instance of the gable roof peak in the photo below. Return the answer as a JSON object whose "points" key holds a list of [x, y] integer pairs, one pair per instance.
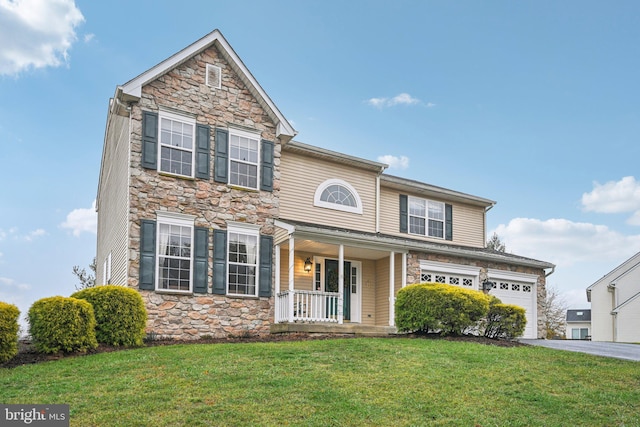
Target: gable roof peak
{"points": [[132, 90]]}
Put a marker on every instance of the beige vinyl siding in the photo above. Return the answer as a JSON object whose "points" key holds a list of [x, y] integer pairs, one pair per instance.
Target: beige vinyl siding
{"points": [[113, 203], [301, 176], [382, 292], [468, 220], [302, 280], [369, 291]]}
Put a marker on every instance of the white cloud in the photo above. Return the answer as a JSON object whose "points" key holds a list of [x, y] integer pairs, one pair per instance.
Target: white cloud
{"points": [[400, 99], [89, 37], [82, 219], [35, 233], [394, 162], [565, 242], [615, 197], [6, 283], [36, 33]]}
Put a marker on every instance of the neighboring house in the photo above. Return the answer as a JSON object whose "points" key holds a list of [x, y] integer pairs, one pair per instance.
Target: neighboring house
{"points": [[226, 225], [615, 303], [578, 324]]}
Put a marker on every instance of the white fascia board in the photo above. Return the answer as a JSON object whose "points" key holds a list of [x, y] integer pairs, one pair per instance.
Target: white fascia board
{"points": [[133, 87]]}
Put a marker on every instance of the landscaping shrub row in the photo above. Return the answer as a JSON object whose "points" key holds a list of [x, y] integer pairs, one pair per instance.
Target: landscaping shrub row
{"points": [[453, 310], [111, 315]]}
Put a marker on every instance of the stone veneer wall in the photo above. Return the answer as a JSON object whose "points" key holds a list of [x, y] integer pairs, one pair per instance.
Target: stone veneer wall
{"points": [[183, 89], [413, 276]]}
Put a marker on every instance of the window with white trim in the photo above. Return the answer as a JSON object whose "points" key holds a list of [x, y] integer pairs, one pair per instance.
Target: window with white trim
{"points": [[106, 270], [242, 260], [244, 155], [426, 217], [174, 254], [177, 134], [338, 195]]}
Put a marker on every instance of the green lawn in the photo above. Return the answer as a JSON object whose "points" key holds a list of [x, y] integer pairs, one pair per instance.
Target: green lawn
{"points": [[340, 382]]}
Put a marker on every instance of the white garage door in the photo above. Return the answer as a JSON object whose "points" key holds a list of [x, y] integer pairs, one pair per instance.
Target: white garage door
{"points": [[521, 294]]}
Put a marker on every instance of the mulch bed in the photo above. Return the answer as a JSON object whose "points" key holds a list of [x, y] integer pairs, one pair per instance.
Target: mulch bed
{"points": [[28, 355]]}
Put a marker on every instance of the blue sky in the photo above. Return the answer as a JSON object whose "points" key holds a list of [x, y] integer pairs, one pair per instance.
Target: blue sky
{"points": [[531, 104]]}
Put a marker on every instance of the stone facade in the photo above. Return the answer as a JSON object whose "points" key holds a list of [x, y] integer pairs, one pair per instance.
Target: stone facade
{"points": [[183, 90]]}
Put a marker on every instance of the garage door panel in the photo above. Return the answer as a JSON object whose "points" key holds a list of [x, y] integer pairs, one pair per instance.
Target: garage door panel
{"points": [[522, 295]]}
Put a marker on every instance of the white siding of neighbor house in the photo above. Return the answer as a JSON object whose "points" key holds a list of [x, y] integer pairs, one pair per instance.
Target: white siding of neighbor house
{"points": [[468, 220], [617, 289], [628, 322], [301, 175], [113, 203]]}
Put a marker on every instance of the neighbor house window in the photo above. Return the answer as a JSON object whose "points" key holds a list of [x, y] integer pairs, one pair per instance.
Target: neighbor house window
{"points": [[176, 144], [242, 259], [175, 240], [579, 333], [244, 155], [339, 195], [426, 217]]}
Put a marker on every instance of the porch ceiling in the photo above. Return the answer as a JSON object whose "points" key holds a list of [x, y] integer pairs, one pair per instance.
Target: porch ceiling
{"points": [[331, 250]]}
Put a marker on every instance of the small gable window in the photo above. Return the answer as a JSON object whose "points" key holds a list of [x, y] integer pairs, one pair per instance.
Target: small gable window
{"points": [[339, 195]]}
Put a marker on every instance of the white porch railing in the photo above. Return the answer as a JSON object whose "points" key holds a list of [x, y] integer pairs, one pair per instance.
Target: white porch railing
{"points": [[307, 306]]}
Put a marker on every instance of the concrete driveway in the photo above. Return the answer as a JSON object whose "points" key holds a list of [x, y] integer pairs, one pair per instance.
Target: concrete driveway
{"points": [[606, 349]]}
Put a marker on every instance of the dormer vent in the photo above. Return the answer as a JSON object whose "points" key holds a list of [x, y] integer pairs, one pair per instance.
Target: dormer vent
{"points": [[214, 76]]}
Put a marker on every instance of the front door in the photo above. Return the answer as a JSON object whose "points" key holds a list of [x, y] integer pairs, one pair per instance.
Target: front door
{"points": [[331, 276]]}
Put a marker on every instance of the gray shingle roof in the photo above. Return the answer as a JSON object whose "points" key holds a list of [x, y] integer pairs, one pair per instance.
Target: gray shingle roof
{"points": [[583, 315]]}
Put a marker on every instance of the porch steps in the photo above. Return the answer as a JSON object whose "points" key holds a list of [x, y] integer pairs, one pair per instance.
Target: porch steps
{"points": [[333, 329]]}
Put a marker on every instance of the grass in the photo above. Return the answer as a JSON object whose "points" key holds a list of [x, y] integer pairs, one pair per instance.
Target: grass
{"points": [[338, 382]]}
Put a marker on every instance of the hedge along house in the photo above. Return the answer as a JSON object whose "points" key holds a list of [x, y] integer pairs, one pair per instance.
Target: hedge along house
{"points": [[226, 225]]}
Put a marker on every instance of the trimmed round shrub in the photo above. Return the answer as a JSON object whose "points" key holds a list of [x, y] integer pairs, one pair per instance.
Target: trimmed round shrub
{"points": [[120, 314], [437, 307], [9, 328], [62, 324], [505, 321]]}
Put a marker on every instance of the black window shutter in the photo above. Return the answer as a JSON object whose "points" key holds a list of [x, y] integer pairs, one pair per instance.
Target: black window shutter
{"points": [[200, 260], [149, 140], [266, 255], [266, 183], [220, 169], [203, 150], [448, 219], [147, 279], [219, 262], [404, 213]]}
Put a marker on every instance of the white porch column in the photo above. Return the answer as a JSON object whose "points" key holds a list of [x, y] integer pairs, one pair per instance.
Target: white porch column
{"points": [[340, 284], [292, 253], [277, 285], [404, 269], [392, 279]]}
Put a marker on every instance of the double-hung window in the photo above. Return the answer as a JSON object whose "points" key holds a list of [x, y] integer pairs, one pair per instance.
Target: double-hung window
{"points": [[177, 135], [243, 250], [175, 241], [244, 157], [426, 217]]}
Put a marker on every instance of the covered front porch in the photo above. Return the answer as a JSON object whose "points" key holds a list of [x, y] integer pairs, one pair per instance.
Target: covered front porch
{"points": [[335, 281]]}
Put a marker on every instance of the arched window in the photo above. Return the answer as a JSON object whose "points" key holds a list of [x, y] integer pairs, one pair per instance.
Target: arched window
{"points": [[339, 195]]}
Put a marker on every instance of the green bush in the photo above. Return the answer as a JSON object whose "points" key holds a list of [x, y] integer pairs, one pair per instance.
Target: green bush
{"points": [[504, 320], [62, 324], [120, 314], [9, 328], [436, 307]]}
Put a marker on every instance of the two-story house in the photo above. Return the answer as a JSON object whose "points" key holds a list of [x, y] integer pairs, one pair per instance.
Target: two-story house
{"points": [[226, 225]]}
